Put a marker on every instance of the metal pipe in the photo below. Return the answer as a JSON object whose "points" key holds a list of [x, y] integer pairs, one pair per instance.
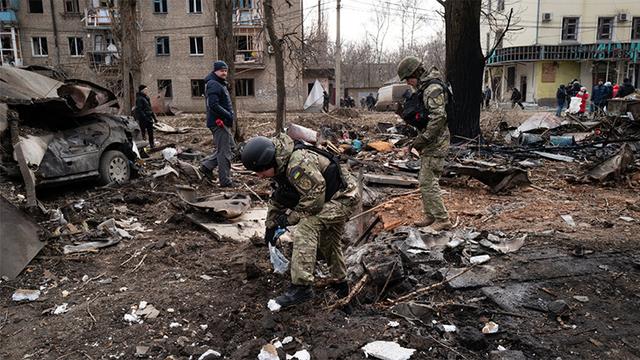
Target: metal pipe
{"points": [[55, 32]]}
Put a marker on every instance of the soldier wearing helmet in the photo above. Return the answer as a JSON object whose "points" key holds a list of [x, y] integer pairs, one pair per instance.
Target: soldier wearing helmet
{"points": [[313, 192], [432, 141]]}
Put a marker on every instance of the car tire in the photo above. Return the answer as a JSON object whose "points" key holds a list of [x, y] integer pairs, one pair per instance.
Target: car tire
{"points": [[114, 166]]}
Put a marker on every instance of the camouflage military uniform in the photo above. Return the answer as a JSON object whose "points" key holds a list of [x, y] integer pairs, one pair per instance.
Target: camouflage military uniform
{"points": [[433, 145], [320, 224]]}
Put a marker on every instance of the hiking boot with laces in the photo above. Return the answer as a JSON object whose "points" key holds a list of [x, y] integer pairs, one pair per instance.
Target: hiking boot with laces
{"points": [[294, 295], [428, 220], [440, 225]]}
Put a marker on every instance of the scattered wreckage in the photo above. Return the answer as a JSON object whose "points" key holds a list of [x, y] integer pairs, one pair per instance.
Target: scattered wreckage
{"points": [[80, 137]]}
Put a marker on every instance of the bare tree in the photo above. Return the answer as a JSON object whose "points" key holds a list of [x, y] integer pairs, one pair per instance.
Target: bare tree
{"points": [[227, 50], [126, 33], [382, 21], [276, 43], [464, 66]]}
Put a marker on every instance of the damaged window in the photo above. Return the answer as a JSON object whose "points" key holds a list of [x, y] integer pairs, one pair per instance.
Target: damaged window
{"points": [[35, 7], [160, 6], [76, 46], [39, 45], [245, 87], [605, 28], [71, 6], [162, 45], [197, 88], [166, 87], [635, 29], [195, 6], [196, 45], [570, 28]]}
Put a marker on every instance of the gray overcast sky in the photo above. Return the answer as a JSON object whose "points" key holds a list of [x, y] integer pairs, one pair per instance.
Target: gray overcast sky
{"points": [[357, 16]]}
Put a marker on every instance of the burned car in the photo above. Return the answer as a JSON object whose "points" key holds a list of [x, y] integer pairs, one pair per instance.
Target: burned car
{"points": [[56, 132]]}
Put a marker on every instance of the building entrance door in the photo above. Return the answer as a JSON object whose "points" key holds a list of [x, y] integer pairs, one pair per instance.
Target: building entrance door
{"points": [[523, 87]]}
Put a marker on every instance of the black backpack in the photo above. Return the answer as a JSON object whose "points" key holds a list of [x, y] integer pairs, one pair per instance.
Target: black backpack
{"points": [[414, 111]]}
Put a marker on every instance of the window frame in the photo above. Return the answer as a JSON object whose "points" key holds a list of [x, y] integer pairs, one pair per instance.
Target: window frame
{"points": [[635, 28], [160, 6], [33, 48], [601, 25], [168, 83], [192, 4], [74, 3], [199, 83], [75, 40], [565, 26], [240, 89], [166, 46], [193, 40], [41, 7]]}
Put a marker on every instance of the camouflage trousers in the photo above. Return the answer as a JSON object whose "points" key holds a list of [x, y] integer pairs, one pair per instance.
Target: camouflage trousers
{"points": [[430, 172], [323, 232]]}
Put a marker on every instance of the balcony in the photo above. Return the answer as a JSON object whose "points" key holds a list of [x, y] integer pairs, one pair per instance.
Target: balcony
{"points": [[246, 17], [101, 60], [249, 59], [97, 18], [597, 52]]}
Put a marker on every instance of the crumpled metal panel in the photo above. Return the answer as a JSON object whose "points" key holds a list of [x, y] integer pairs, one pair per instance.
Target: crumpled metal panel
{"points": [[19, 240], [228, 205]]}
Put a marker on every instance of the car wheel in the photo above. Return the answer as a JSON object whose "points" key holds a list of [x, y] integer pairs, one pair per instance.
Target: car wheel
{"points": [[114, 166]]}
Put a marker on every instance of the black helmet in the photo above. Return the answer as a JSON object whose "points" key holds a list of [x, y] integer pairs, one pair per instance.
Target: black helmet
{"points": [[259, 154]]}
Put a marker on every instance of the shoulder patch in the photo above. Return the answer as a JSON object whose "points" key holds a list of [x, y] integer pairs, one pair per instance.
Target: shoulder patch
{"points": [[300, 179]]}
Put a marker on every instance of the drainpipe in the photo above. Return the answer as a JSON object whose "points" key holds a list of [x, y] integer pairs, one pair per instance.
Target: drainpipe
{"points": [[533, 78], [55, 32], [537, 22]]}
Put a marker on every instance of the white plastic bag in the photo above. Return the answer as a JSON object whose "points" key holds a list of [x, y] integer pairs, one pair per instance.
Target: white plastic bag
{"points": [[278, 260], [574, 105]]}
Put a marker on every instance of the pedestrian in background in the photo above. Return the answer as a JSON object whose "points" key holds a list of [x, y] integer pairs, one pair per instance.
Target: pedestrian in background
{"points": [[561, 98], [516, 98], [487, 96], [219, 122], [144, 114]]}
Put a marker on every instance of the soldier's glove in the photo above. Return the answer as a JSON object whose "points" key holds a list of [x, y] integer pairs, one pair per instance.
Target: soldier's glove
{"points": [[282, 220], [219, 123], [269, 236]]}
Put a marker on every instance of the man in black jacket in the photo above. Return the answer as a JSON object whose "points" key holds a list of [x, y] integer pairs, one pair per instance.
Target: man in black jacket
{"points": [[144, 114], [219, 121], [626, 88]]}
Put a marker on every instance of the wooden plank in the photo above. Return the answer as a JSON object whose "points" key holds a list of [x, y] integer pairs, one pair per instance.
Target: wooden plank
{"points": [[390, 180]]}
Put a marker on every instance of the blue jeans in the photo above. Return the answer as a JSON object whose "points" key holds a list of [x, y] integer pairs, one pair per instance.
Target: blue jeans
{"points": [[559, 110]]}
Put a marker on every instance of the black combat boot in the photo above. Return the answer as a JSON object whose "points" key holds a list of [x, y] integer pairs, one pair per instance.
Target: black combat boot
{"points": [[342, 291], [295, 294]]}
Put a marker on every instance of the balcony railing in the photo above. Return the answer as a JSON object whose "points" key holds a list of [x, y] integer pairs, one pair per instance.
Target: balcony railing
{"points": [[249, 59], [103, 58], [602, 51], [97, 18], [248, 17]]}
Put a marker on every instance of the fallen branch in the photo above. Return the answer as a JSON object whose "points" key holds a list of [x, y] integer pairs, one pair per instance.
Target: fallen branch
{"points": [[386, 283], [139, 264], [384, 203], [430, 287], [354, 291]]}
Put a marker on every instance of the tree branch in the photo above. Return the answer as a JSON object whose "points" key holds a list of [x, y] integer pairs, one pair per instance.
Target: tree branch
{"points": [[499, 39]]}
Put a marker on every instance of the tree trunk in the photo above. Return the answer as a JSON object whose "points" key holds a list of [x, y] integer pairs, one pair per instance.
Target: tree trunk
{"points": [[227, 52], [276, 43], [465, 64], [131, 59]]}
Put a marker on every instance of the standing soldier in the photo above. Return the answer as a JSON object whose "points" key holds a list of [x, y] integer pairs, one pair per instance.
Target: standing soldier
{"points": [[144, 114], [325, 101], [433, 137], [312, 191], [219, 121]]}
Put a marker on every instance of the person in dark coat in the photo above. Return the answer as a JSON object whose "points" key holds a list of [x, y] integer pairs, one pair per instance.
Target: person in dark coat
{"points": [[371, 102], [516, 98], [220, 122], [561, 97], [626, 88], [144, 114], [487, 96], [325, 101], [597, 93]]}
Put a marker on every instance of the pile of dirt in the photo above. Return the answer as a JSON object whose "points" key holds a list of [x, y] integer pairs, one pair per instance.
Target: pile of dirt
{"points": [[346, 112]]}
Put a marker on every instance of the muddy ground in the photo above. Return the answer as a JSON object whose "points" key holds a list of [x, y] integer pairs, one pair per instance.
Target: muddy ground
{"points": [[212, 294]]}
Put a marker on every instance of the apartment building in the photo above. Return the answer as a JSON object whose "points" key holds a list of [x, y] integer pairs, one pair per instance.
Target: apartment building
{"points": [[177, 42], [561, 41]]}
